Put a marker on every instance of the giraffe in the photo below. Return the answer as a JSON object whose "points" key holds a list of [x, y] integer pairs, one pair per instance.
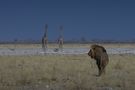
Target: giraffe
{"points": [[45, 39], [60, 39]]}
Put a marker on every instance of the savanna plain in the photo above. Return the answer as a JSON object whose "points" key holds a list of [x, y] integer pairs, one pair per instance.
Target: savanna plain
{"points": [[66, 72]]}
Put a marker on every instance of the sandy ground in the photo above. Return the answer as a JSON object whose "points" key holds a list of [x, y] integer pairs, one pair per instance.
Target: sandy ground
{"points": [[52, 51]]}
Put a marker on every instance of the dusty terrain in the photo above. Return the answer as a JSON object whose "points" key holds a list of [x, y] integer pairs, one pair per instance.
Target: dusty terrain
{"points": [[68, 49]]}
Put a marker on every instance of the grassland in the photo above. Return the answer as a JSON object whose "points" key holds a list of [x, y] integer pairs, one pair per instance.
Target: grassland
{"points": [[117, 45], [65, 72]]}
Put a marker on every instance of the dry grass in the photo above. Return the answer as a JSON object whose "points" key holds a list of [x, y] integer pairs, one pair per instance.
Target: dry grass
{"points": [[65, 72], [66, 45]]}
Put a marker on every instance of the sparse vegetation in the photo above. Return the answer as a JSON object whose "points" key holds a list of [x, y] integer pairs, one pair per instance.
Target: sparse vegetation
{"points": [[53, 45], [65, 72]]}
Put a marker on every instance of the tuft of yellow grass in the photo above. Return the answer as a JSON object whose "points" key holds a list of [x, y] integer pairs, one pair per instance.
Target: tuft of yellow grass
{"points": [[65, 72]]}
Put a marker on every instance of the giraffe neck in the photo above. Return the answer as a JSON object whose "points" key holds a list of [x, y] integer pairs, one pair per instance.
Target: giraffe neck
{"points": [[45, 35]]}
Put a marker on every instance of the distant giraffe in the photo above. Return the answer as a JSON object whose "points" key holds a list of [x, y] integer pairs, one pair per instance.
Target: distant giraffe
{"points": [[60, 39], [45, 39]]}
